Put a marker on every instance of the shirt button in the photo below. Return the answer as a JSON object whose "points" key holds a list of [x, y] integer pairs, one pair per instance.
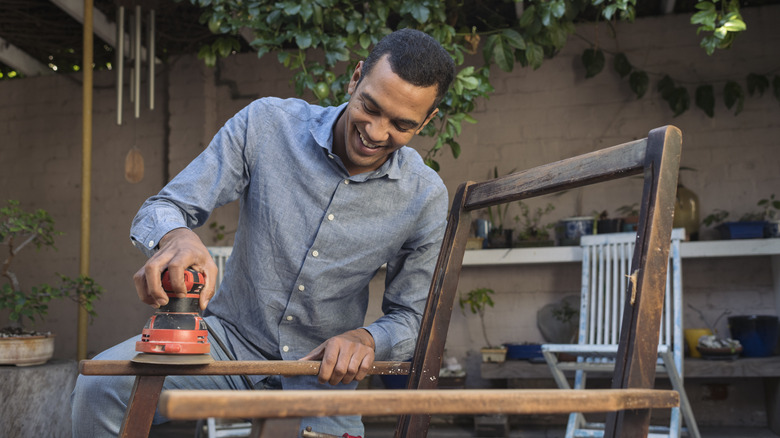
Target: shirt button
{"points": [[289, 318], [330, 156], [315, 253], [301, 287], [285, 349], [331, 217], [346, 181], [151, 244]]}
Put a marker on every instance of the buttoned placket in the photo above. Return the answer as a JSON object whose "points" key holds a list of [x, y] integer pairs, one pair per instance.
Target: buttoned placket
{"points": [[314, 254]]}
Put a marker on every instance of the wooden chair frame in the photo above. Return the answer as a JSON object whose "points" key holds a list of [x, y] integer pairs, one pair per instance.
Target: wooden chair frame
{"points": [[657, 157]]}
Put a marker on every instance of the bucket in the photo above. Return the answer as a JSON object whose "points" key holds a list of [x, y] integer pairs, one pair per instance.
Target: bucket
{"points": [[756, 333]]}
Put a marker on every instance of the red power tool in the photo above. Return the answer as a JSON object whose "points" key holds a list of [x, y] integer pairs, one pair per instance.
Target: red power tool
{"points": [[176, 334]]}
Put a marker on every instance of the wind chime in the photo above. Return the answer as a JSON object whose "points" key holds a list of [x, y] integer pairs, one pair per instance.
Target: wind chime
{"points": [[135, 53]]}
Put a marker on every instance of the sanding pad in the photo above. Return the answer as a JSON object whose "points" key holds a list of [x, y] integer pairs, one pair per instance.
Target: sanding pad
{"points": [[173, 359]]}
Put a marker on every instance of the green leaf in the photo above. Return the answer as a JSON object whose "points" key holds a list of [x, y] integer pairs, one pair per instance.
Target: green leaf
{"points": [[666, 87], [639, 83], [733, 95], [593, 59], [621, 65], [534, 55], [776, 87], [679, 101], [303, 40], [420, 13], [433, 164], [528, 16], [705, 99], [455, 148], [503, 54], [513, 38], [757, 83]]}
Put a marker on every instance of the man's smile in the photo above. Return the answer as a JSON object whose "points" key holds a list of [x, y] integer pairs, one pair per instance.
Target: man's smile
{"points": [[366, 143]]}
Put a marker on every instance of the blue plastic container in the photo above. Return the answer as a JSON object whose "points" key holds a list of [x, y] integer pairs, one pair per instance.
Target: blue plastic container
{"points": [[742, 230], [756, 333], [523, 351]]}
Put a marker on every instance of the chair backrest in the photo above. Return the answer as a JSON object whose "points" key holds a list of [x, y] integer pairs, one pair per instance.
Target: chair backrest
{"points": [[220, 255], [606, 262], [657, 157]]}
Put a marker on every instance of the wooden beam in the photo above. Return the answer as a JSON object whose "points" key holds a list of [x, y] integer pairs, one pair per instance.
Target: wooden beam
{"points": [[196, 404], [224, 368], [20, 61]]}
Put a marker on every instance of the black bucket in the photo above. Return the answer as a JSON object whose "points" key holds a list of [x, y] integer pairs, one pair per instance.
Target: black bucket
{"points": [[756, 333]]}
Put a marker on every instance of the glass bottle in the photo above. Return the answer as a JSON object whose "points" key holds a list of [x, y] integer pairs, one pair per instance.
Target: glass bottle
{"points": [[686, 212]]}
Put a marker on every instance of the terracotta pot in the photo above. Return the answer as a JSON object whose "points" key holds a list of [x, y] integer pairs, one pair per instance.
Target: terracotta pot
{"points": [[26, 350]]}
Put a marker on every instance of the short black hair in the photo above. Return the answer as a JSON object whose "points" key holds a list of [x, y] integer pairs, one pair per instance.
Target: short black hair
{"points": [[415, 57]]}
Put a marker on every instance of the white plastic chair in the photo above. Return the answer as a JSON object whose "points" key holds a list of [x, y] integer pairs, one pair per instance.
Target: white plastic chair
{"points": [[606, 260]]}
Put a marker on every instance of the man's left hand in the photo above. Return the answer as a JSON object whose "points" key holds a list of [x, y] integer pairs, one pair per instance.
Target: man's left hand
{"points": [[345, 357]]}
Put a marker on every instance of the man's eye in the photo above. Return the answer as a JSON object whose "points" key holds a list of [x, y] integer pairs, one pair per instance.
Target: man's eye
{"points": [[369, 110]]}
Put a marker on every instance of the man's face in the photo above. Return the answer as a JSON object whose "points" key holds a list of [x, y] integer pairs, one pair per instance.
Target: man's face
{"points": [[383, 114]]}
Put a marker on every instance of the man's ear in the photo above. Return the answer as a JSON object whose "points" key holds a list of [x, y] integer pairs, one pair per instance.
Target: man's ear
{"points": [[355, 78], [428, 119]]}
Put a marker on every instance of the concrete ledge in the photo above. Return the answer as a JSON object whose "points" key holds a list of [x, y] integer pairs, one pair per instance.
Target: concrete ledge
{"points": [[36, 399]]}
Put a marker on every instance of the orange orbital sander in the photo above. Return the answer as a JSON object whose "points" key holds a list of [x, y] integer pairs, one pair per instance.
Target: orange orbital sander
{"points": [[176, 333]]}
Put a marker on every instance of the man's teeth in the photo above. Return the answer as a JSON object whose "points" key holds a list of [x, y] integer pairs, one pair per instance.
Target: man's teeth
{"points": [[366, 143]]}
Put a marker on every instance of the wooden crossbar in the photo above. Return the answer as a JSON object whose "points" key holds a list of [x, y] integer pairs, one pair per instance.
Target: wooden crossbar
{"points": [[225, 368], [195, 404]]}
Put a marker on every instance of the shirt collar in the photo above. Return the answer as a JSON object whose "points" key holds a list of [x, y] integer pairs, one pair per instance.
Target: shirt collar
{"points": [[322, 132]]}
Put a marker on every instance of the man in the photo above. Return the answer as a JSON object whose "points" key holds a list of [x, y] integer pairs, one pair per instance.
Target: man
{"points": [[327, 196]]}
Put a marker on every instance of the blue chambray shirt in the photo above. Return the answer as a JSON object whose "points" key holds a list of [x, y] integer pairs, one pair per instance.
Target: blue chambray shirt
{"points": [[310, 237]]}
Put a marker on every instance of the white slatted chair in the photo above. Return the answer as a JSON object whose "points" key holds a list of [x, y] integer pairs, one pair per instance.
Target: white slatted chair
{"points": [[606, 260], [220, 255]]}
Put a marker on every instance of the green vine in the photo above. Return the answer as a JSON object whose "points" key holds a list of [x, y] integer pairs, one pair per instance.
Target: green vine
{"points": [[322, 40]]}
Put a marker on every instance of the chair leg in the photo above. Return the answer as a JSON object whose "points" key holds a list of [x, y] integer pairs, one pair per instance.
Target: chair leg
{"points": [[141, 407], [685, 405]]}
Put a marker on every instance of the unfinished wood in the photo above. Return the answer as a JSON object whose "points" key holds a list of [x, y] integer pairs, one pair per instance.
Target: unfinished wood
{"points": [[435, 322], [143, 402], [225, 368], [195, 404], [602, 165]]}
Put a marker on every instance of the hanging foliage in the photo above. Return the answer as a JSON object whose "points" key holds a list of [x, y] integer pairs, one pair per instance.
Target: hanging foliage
{"points": [[321, 41]]}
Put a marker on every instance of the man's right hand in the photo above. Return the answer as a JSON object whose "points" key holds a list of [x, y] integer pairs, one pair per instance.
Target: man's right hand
{"points": [[180, 249]]}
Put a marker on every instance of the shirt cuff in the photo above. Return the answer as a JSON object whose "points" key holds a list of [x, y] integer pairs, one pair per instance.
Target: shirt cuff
{"points": [[148, 243], [382, 342]]}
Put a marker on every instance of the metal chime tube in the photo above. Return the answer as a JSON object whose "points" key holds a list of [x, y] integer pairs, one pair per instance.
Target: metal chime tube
{"points": [[131, 55], [120, 60], [150, 59], [137, 61]]}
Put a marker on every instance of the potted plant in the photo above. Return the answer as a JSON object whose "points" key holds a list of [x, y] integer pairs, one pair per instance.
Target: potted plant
{"points": [[498, 236], [749, 226], [771, 215], [629, 213], [478, 300], [20, 345], [607, 224], [531, 232]]}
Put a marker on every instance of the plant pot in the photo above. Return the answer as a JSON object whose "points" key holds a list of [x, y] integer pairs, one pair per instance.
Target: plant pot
{"points": [[494, 354], [742, 230], [26, 350], [605, 226], [500, 239], [772, 228], [630, 223], [524, 352], [692, 336], [568, 231], [756, 333]]}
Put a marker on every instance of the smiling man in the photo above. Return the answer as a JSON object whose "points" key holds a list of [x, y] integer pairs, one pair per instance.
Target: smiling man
{"points": [[327, 197]]}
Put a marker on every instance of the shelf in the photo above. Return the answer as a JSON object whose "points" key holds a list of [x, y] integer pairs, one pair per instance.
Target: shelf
{"points": [[572, 254], [694, 368]]}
